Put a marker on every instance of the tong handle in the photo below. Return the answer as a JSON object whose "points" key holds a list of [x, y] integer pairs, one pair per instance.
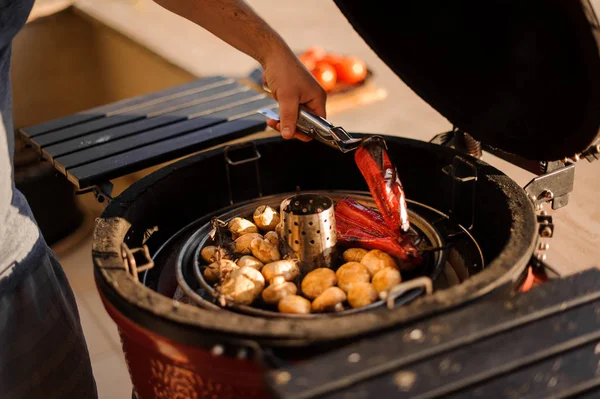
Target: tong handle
{"points": [[315, 127], [319, 129]]}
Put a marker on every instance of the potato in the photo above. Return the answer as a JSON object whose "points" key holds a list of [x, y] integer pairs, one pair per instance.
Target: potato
{"points": [[385, 279], [240, 226], [266, 218], [354, 254], [317, 281], [273, 238], [351, 273], [250, 261], [330, 299], [361, 294], [376, 260], [243, 285], [287, 268], [276, 292], [264, 251], [294, 304], [219, 271], [242, 244]]}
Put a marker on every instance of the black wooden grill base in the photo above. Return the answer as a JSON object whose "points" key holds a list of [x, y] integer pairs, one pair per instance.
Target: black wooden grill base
{"points": [[541, 344]]}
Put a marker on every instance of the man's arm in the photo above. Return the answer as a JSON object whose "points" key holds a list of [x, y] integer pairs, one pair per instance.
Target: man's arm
{"points": [[234, 22]]}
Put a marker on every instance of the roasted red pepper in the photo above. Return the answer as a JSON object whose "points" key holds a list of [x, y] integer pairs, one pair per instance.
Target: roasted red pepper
{"points": [[363, 217], [360, 226], [383, 181]]}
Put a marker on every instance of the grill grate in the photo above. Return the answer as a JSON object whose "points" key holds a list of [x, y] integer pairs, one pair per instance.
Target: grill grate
{"points": [[103, 143]]}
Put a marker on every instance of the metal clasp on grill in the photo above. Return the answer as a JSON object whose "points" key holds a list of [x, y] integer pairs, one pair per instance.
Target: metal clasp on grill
{"points": [[131, 264]]}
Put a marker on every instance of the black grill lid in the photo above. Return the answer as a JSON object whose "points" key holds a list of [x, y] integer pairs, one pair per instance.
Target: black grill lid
{"points": [[519, 75]]}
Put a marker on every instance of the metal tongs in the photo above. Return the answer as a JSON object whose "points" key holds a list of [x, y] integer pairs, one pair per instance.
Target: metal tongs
{"points": [[319, 129]]}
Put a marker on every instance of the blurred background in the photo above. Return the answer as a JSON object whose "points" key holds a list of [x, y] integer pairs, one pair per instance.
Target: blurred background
{"points": [[74, 55]]}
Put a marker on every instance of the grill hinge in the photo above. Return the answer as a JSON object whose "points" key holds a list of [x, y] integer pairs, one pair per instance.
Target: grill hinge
{"points": [[554, 185]]}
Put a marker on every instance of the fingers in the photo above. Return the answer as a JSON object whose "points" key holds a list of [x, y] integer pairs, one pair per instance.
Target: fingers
{"points": [[273, 124], [297, 135], [288, 114], [317, 104]]}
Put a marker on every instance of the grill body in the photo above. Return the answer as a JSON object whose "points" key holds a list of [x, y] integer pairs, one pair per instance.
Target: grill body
{"points": [[178, 350]]}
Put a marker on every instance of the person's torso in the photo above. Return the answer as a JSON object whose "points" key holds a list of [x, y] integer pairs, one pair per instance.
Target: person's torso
{"points": [[18, 231]]}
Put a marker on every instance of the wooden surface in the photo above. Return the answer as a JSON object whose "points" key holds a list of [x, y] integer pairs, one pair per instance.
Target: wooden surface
{"points": [[107, 142]]}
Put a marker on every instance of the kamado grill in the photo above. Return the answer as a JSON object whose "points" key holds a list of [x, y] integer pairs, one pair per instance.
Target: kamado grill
{"points": [[523, 80]]}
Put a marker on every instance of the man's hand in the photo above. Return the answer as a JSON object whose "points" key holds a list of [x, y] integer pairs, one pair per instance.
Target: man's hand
{"points": [[292, 85], [234, 22]]}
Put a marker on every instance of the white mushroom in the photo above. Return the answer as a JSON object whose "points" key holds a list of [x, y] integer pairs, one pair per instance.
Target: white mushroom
{"points": [[242, 244], [266, 218], [354, 254], [241, 226], [294, 304], [385, 279], [243, 285], [250, 261], [361, 294], [264, 251], [287, 268], [351, 273], [219, 271], [376, 260], [276, 292], [331, 299], [317, 281]]}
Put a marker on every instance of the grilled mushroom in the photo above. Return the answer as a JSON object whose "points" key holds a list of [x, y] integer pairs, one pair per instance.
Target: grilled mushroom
{"points": [[241, 226], [242, 244], [376, 260], [250, 261], [351, 273], [354, 254], [294, 304], [243, 285], [361, 294], [317, 281], [208, 253], [273, 238], [287, 268], [276, 292], [264, 251], [219, 271], [331, 299], [385, 279], [266, 218]]}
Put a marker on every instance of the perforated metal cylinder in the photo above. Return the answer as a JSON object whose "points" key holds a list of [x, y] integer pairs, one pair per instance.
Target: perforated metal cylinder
{"points": [[309, 230]]}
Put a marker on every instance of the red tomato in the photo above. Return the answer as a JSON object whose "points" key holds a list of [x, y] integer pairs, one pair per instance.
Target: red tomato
{"points": [[325, 74], [316, 53], [334, 59], [351, 70], [308, 61]]}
